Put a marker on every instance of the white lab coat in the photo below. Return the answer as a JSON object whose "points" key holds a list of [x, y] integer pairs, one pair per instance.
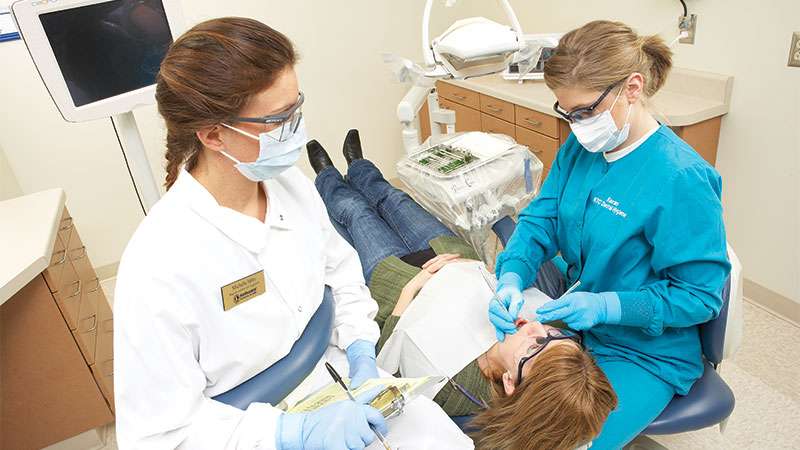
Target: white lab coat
{"points": [[175, 347]]}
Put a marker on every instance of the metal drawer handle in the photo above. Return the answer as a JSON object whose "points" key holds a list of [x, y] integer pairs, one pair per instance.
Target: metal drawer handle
{"points": [[68, 226], [494, 109], [96, 280], [534, 123], [77, 292], [459, 96], [63, 258], [94, 323], [535, 151], [83, 253]]}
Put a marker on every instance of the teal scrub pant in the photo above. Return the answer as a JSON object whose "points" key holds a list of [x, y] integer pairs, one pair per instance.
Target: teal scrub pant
{"points": [[641, 396]]}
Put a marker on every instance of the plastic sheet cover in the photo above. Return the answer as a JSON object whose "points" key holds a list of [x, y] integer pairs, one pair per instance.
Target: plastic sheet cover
{"points": [[469, 181]]}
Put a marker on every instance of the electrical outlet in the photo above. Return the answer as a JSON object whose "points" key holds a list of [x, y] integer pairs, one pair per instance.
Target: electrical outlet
{"points": [[689, 25], [794, 50]]}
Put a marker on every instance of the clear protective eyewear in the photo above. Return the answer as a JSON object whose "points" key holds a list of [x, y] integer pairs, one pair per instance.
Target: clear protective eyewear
{"points": [[585, 112], [284, 124], [553, 334]]}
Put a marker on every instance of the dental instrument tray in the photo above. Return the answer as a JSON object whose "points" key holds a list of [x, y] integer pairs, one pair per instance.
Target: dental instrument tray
{"points": [[445, 159], [470, 180]]}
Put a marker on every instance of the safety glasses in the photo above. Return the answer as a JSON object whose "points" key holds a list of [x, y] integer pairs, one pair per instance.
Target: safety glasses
{"points": [[584, 112], [285, 123], [553, 334]]}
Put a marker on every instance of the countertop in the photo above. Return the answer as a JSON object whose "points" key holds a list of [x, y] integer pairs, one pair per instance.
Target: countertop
{"points": [[688, 96], [28, 230]]}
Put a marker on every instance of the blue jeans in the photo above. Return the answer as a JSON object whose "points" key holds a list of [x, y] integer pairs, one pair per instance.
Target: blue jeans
{"points": [[377, 219]]}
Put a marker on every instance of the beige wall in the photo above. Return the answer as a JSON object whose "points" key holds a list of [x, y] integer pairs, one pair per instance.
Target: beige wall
{"points": [[759, 150], [341, 72], [348, 86]]}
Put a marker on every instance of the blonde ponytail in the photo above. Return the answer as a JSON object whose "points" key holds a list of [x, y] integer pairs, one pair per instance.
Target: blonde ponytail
{"points": [[603, 52]]}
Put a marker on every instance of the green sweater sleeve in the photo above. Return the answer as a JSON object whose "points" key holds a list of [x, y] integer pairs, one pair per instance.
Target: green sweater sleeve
{"points": [[386, 331]]}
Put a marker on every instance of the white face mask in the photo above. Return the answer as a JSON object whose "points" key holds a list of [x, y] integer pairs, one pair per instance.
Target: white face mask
{"points": [[273, 156], [600, 133]]}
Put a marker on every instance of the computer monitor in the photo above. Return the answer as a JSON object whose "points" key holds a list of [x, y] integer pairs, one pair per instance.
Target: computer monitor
{"points": [[98, 58]]}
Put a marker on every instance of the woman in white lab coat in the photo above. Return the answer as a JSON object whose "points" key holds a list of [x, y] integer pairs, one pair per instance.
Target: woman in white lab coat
{"points": [[223, 275]]}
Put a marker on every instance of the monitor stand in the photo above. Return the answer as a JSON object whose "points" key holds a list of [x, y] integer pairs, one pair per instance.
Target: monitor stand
{"points": [[139, 168]]}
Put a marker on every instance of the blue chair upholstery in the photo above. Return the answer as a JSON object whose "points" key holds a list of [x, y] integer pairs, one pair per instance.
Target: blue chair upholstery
{"points": [[709, 402], [276, 382]]}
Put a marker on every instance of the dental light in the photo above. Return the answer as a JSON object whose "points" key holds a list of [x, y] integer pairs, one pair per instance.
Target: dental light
{"points": [[469, 48]]}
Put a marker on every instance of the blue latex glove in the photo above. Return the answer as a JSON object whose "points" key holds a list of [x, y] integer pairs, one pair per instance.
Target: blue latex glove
{"points": [[361, 357], [342, 425], [582, 310], [504, 307]]}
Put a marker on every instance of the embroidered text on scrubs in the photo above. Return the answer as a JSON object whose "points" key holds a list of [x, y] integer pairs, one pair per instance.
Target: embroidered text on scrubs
{"points": [[611, 205]]}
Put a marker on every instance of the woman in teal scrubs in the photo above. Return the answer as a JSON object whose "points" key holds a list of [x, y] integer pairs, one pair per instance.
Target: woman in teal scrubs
{"points": [[636, 214]]}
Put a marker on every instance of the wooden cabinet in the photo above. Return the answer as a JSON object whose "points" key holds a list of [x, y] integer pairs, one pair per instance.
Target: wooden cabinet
{"points": [[56, 349], [542, 133]]}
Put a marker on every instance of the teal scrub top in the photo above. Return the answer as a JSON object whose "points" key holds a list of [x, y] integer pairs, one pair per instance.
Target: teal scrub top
{"points": [[649, 227]]}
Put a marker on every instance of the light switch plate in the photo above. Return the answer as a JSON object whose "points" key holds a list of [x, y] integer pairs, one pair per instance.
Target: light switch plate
{"points": [[689, 25], [794, 50]]}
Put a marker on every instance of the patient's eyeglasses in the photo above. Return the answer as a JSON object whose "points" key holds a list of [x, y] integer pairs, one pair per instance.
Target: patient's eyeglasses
{"points": [[553, 334]]}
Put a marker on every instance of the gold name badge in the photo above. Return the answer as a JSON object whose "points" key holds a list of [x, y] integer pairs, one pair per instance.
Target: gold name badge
{"points": [[242, 290]]}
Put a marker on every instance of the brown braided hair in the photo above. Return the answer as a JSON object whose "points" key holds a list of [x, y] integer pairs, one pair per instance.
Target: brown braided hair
{"points": [[207, 77]]}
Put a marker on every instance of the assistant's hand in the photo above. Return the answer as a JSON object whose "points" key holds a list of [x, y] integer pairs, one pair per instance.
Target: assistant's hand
{"points": [[504, 307], [582, 310], [342, 425], [361, 357]]}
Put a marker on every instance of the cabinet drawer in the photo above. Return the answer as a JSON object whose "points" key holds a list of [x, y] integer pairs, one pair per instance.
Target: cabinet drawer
{"points": [[76, 252], [536, 121], [55, 271], [68, 296], [544, 147], [497, 108], [65, 227], [459, 95], [86, 333], [105, 330], [491, 124], [467, 119], [104, 376]]}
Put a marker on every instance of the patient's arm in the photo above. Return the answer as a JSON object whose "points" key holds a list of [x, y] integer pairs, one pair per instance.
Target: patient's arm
{"points": [[412, 288]]}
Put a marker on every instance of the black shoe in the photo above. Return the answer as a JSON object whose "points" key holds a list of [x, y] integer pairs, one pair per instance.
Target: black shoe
{"points": [[317, 156], [352, 146]]}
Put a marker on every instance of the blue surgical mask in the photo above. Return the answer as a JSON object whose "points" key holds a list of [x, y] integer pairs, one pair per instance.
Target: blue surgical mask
{"points": [[274, 156], [600, 133]]}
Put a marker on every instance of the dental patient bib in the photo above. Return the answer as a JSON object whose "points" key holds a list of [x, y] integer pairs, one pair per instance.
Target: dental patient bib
{"points": [[445, 327]]}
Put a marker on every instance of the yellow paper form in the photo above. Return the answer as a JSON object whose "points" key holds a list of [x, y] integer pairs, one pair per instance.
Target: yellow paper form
{"points": [[333, 393]]}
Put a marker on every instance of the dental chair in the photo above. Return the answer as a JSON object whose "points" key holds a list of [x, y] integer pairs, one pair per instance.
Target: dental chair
{"points": [[710, 401], [276, 382]]}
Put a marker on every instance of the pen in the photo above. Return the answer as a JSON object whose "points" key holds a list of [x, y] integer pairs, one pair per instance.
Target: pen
{"points": [[338, 379]]}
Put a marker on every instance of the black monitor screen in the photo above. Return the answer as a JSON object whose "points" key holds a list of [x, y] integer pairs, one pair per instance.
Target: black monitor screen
{"points": [[110, 48]]}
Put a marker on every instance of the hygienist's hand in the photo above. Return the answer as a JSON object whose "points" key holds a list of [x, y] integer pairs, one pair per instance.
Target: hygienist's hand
{"points": [[582, 310], [504, 307], [361, 357], [342, 425]]}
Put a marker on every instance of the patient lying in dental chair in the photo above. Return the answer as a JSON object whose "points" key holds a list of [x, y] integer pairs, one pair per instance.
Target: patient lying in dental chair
{"points": [[539, 389]]}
